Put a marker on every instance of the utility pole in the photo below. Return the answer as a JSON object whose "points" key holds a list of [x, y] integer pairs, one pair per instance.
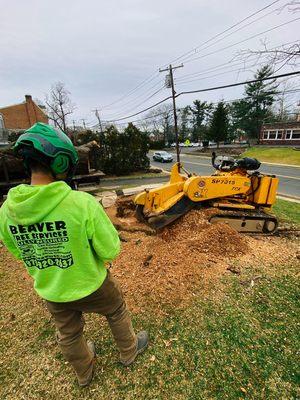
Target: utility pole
{"points": [[99, 120], [170, 84], [83, 122], [74, 128]]}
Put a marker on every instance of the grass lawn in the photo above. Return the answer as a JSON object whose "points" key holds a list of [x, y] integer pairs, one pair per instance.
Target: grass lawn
{"points": [[280, 155], [287, 211], [134, 175], [238, 342]]}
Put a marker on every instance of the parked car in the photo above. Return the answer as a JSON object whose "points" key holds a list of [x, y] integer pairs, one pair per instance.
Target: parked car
{"points": [[162, 156]]}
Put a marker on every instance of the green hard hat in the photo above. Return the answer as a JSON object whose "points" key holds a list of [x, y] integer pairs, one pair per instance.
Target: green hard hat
{"points": [[45, 140]]}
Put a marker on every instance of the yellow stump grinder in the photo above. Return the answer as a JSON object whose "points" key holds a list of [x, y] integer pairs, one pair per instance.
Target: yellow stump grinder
{"points": [[240, 194]]}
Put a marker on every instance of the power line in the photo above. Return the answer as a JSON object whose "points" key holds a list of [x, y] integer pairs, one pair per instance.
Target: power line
{"points": [[123, 108], [142, 84], [239, 83], [240, 70], [221, 73], [90, 124], [206, 90], [247, 98], [216, 68], [286, 61], [138, 105], [232, 33], [153, 76], [225, 31], [149, 117], [140, 112], [296, 90], [230, 64], [244, 40]]}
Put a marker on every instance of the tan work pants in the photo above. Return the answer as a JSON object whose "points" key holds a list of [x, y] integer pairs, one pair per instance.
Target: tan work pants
{"points": [[108, 301]]}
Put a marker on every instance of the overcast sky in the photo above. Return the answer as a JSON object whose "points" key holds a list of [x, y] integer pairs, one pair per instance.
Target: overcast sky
{"points": [[103, 49]]}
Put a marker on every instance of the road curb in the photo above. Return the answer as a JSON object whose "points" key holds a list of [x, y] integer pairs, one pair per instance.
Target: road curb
{"points": [[281, 165], [292, 199]]}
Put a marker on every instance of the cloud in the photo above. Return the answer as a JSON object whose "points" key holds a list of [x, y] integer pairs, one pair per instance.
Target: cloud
{"points": [[102, 49]]}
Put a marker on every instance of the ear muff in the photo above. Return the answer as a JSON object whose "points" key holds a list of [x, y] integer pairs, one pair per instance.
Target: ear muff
{"points": [[60, 164]]}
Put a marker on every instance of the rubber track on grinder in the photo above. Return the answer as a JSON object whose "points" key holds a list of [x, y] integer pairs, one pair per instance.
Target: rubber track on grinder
{"points": [[247, 222]]}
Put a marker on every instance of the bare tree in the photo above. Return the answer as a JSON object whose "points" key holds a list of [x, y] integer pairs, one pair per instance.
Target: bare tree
{"points": [[160, 120], [59, 105], [284, 105], [143, 125], [278, 57], [292, 6]]}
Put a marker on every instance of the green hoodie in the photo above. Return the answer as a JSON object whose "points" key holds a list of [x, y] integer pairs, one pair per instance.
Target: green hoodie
{"points": [[63, 237]]}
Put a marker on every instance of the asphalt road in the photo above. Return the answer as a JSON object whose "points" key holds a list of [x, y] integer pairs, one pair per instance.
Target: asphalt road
{"points": [[289, 177]]}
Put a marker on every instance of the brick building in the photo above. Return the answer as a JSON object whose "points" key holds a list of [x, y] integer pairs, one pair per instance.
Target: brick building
{"points": [[22, 116], [281, 133]]}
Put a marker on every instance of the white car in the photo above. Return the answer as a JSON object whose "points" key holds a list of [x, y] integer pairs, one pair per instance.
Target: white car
{"points": [[162, 156]]}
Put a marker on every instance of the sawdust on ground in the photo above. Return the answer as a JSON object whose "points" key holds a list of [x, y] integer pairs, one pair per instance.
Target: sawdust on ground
{"points": [[170, 268]]}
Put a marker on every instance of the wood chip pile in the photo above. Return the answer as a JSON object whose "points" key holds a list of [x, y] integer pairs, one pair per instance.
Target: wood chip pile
{"points": [[168, 269], [195, 233]]}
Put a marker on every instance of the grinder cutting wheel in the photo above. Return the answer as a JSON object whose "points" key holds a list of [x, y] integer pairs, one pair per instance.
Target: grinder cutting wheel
{"points": [[241, 195]]}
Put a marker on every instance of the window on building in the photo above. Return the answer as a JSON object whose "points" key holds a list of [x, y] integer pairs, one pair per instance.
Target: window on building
{"points": [[288, 134], [279, 134], [295, 134], [266, 134], [272, 134]]}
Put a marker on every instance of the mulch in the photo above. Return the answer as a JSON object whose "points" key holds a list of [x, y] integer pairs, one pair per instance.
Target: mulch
{"points": [[168, 269]]}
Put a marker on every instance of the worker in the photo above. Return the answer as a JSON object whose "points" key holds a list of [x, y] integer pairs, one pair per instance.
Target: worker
{"points": [[65, 239]]}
